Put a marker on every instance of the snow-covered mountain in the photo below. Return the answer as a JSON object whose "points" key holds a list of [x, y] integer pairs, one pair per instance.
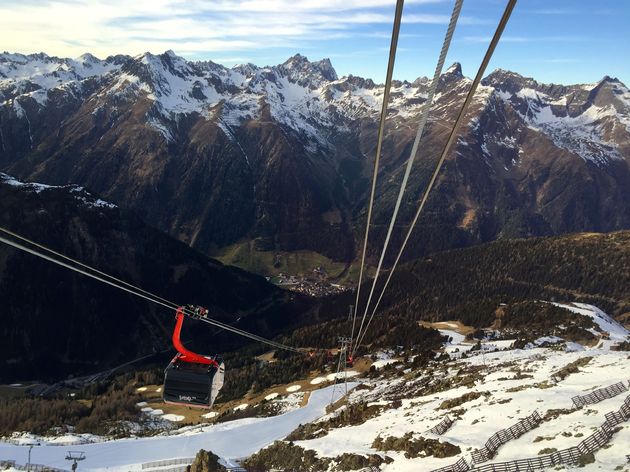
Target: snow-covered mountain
{"points": [[281, 154]]}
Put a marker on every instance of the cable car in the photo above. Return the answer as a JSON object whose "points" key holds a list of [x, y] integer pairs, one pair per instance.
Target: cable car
{"points": [[192, 379]]}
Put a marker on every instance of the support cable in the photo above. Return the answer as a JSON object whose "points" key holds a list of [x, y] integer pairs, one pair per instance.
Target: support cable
{"points": [[379, 144], [81, 264], [104, 278], [414, 150], [460, 117]]}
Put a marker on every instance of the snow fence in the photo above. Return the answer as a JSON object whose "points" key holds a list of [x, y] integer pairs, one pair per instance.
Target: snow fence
{"points": [[570, 455], [599, 395]]}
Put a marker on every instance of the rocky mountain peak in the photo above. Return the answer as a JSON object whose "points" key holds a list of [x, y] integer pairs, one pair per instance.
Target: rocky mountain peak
{"points": [[610, 79], [360, 82], [302, 71], [454, 71], [508, 81], [117, 59], [247, 70], [453, 74], [89, 58], [326, 69]]}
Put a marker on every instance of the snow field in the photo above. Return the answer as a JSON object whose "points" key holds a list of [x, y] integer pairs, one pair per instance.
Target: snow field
{"points": [[172, 417], [341, 375], [230, 440], [509, 400]]}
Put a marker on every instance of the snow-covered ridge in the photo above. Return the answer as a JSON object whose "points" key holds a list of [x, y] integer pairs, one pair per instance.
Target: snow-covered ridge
{"points": [[584, 119], [79, 193], [309, 97]]}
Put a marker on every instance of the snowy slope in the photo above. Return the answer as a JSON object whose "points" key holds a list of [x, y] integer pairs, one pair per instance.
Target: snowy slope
{"points": [[235, 439], [586, 120], [512, 383], [79, 193], [504, 406], [615, 332]]}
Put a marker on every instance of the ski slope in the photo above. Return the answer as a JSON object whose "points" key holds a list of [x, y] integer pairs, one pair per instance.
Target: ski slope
{"points": [[516, 382], [512, 383], [231, 440]]}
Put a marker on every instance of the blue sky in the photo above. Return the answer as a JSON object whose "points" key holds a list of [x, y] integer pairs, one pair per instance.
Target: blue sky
{"points": [[560, 41]]}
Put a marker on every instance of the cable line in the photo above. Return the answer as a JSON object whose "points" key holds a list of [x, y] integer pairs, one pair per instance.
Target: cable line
{"points": [[460, 117], [138, 292], [379, 144], [414, 150], [81, 264]]}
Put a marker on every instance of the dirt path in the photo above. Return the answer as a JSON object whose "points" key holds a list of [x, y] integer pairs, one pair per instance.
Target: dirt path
{"points": [[456, 326]]}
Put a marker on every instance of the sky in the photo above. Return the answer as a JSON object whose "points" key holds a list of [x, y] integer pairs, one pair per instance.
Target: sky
{"points": [[560, 41]]}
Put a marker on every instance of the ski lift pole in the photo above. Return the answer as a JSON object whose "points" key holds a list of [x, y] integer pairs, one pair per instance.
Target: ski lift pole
{"points": [[75, 457], [344, 344]]}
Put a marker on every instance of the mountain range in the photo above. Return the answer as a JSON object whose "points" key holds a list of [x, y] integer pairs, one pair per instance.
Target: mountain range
{"points": [[282, 156]]}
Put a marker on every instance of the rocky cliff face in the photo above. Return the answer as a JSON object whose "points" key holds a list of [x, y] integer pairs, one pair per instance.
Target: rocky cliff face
{"points": [[282, 155]]}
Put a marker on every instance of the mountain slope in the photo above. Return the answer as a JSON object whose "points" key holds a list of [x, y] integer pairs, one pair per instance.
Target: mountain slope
{"points": [[470, 284], [55, 322], [282, 155]]}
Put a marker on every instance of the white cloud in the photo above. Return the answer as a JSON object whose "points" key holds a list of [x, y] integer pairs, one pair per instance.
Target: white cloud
{"points": [[104, 27]]}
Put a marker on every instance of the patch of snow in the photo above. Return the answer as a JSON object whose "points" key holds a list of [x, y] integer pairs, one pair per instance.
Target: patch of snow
{"points": [[378, 364], [240, 407], [509, 400], [34, 187], [67, 439], [271, 396], [172, 417], [294, 388], [548, 340], [341, 375], [379, 403], [614, 331], [574, 347], [504, 95], [531, 93], [582, 134], [455, 339]]}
